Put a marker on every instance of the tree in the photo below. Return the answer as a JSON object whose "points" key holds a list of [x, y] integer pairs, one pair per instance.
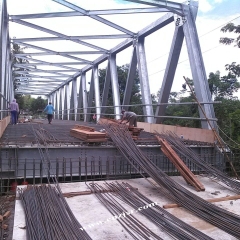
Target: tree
{"points": [[38, 104], [122, 80], [223, 87], [230, 27], [233, 68]]}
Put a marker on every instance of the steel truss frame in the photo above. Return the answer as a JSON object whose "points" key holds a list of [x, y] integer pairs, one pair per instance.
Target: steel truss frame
{"points": [[68, 104]]}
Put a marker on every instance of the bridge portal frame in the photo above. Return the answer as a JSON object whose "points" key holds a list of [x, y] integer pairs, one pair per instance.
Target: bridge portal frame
{"points": [[66, 103]]}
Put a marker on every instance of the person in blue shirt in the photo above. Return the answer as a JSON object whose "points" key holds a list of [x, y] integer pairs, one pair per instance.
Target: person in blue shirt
{"points": [[49, 110]]}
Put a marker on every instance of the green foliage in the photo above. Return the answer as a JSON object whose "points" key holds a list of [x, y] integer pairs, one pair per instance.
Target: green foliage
{"points": [[183, 111], [27, 103], [234, 69], [235, 125], [122, 80], [223, 87], [38, 104], [230, 27]]}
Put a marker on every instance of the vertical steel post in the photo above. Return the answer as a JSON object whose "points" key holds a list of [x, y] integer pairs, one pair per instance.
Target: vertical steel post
{"points": [[66, 103], [90, 97], [97, 92], [80, 97], [144, 81], [197, 66], [106, 89], [3, 44], [73, 101], [61, 103], [130, 79], [56, 114], [115, 86]]}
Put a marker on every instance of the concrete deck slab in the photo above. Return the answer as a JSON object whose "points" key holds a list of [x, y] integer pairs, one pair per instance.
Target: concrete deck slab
{"points": [[88, 210]]}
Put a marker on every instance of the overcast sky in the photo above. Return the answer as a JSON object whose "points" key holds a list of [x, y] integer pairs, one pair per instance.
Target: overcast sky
{"points": [[212, 15]]}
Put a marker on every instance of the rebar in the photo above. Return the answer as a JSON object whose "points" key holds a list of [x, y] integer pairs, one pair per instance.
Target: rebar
{"points": [[225, 220]]}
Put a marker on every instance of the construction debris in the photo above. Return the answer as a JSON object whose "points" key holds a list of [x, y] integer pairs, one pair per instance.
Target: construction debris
{"points": [[87, 134]]}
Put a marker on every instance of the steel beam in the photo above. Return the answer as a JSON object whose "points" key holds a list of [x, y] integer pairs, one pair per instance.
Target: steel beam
{"points": [[106, 88], [90, 12], [50, 52], [82, 95], [57, 34], [115, 86], [43, 39], [197, 66], [66, 103], [3, 56], [97, 92], [130, 79], [61, 91], [170, 70], [73, 101], [90, 98], [95, 17], [42, 71], [56, 113], [144, 81], [161, 22]]}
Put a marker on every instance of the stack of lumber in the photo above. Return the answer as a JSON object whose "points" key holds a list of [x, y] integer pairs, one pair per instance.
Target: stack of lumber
{"points": [[186, 173], [135, 132], [87, 134]]}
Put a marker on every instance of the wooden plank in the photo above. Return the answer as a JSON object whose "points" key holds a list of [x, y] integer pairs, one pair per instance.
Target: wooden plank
{"points": [[180, 165], [212, 200], [84, 128]]}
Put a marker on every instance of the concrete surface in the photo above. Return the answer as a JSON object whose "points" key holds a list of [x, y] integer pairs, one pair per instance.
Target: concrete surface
{"points": [[88, 210]]}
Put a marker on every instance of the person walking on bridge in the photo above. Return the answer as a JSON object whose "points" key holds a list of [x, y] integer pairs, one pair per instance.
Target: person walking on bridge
{"points": [[14, 111], [49, 109], [130, 117]]}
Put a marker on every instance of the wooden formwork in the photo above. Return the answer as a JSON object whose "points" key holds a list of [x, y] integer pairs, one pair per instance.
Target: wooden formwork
{"points": [[3, 124]]}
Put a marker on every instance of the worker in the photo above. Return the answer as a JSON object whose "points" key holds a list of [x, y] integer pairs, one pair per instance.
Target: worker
{"points": [[49, 109], [131, 117], [14, 108]]}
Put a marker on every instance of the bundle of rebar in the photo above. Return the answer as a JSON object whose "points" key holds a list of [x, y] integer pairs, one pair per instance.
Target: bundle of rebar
{"points": [[168, 223], [48, 215], [227, 221], [132, 225], [190, 156]]}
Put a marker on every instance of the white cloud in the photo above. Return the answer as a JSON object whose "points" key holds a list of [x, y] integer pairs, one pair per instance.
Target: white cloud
{"points": [[205, 6]]}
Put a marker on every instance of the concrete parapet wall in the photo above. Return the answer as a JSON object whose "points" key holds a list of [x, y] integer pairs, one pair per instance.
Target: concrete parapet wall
{"points": [[195, 134], [3, 124]]}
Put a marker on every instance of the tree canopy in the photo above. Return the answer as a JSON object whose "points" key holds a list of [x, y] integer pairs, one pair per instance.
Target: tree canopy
{"points": [[230, 27]]}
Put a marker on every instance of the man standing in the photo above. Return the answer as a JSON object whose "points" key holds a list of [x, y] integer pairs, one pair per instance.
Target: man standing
{"points": [[14, 111], [49, 110], [131, 117]]}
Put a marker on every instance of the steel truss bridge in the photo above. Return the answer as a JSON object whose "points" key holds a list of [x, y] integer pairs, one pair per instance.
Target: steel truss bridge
{"points": [[43, 69]]}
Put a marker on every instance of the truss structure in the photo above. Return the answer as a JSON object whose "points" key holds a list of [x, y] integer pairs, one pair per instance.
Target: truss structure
{"points": [[43, 70]]}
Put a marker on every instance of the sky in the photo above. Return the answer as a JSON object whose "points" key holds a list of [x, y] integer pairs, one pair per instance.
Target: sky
{"points": [[212, 15]]}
